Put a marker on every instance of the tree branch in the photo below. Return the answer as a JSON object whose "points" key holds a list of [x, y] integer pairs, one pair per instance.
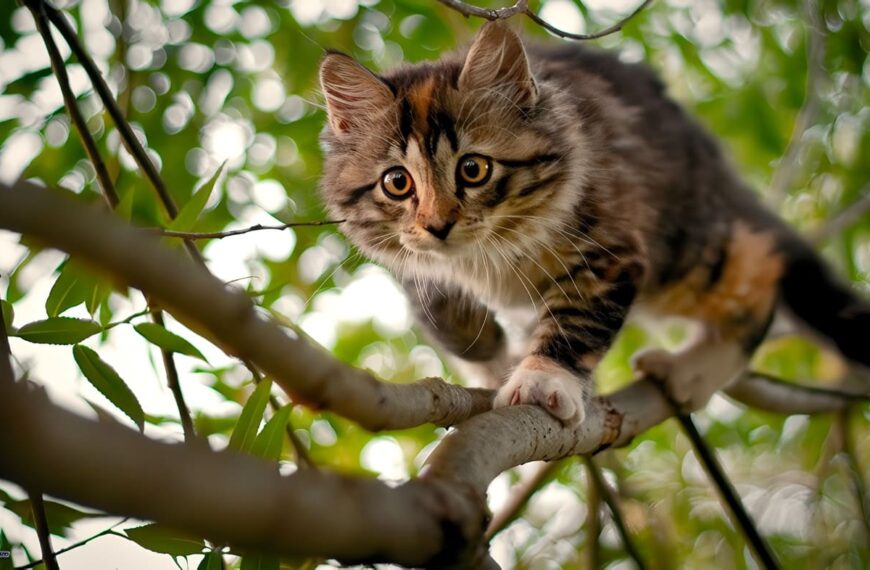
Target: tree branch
{"points": [[229, 319], [520, 496], [766, 392], [229, 233], [82, 542], [851, 214], [41, 522], [521, 7], [728, 494], [69, 99], [612, 501]]}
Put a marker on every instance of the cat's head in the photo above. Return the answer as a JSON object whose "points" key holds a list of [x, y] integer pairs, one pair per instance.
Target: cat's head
{"points": [[435, 161]]}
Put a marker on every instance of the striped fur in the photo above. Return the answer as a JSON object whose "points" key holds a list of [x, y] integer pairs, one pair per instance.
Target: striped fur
{"points": [[601, 196]]}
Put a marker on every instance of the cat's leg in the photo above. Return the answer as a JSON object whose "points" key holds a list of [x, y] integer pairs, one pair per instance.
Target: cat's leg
{"points": [[735, 304], [584, 309], [464, 327]]}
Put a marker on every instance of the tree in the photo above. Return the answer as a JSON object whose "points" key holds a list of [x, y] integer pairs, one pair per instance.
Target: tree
{"points": [[190, 122]]}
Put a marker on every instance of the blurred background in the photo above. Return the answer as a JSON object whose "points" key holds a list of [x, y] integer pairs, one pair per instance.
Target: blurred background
{"points": [[784, 84]]}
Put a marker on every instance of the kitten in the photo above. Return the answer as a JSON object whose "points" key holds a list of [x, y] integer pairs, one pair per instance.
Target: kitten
{"points": [[566, 182]]}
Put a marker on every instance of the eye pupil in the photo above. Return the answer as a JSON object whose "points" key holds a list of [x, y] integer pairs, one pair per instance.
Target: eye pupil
{"points": [[472, 169]]}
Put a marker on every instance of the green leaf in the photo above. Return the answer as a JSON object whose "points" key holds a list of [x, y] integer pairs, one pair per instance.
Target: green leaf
{"points": [[58, 330], [260, 562], [8, 315], [188, 215], [155, 334], [211, 561], [6, 549], [95, 295], [157, 538], [60, 517], [68, 291], [109, 383], [270, 441], [245, 431]]}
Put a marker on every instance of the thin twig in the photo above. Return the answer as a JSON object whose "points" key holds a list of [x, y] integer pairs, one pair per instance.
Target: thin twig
{"points": [[593, 521], [851, 214], [609, 496], [228, 233], [784, 175], [41, 525], [175, 385], [728, 493], [84, 541], [521, 7], [127, 136], [592, 36], [69, 99], [519, 497]]}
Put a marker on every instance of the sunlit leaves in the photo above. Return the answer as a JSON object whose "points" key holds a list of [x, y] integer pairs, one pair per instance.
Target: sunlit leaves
{"points": [[158, 538], [71, 288], [245, 431], [270, 440], [60, 517], [58, 330], [157, 335], [190, 212], [107, 381]]}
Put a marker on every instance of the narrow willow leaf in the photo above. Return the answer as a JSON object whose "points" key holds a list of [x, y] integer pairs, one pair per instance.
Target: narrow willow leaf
{"points": [[58, 330], [155, 334], [8, 315], [270, 441], [95, 295], [157, 538], [260, 562], [246, 428], [211, 561], [109, 383], [188, 215], [69, 290]]}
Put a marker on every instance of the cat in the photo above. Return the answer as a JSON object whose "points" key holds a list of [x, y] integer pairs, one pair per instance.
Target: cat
{"points": [[560, 180]]}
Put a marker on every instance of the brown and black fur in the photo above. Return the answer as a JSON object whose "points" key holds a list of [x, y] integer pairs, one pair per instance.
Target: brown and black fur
{"points": [[615, 200]]}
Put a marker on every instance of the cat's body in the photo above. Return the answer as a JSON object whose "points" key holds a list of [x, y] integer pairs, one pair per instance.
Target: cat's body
{"points": [[563, 182]]}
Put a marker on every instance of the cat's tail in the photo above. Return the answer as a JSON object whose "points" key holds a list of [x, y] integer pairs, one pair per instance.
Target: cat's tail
{"points": [[825, 303]]}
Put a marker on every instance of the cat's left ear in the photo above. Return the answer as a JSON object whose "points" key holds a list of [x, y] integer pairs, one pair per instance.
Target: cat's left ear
{"points": [[353, 93], [497, 59]]}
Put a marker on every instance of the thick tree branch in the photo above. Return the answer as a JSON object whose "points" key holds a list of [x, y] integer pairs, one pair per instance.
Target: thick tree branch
{"points": [[228, 318]]}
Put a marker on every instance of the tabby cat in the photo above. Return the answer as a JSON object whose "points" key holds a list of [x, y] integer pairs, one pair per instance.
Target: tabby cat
{"points": [[563, 182]]}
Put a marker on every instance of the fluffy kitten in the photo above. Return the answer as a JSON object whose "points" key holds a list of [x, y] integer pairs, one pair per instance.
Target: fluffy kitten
{"points": [[566, 182]]}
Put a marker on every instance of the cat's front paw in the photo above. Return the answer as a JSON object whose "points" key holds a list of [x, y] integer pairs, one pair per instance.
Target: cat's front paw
{"points": [[543, 383]]}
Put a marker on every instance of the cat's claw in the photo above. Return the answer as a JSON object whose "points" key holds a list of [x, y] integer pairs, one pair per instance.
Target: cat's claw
{"points": [[553, 388]]}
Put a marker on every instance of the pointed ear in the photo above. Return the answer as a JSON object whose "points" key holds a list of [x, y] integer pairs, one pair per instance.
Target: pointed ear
{"points": [[497, 58], [352, 92]]}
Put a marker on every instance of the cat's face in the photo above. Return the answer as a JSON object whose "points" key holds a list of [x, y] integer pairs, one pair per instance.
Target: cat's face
{"points": [[440, 161]]}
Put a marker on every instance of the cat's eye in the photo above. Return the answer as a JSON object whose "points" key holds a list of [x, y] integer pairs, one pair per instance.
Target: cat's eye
{"points": [[473, 169], [397, 183]]}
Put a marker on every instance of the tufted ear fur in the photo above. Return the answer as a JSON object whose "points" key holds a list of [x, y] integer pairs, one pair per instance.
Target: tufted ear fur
{"points": [[353, 93], [497, 59]]}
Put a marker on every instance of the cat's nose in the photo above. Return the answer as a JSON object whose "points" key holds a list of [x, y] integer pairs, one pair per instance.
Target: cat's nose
{"points": [[440, 232]]}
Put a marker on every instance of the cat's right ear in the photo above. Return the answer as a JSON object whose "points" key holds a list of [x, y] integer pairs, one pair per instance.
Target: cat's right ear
{"points": [[353, 93]]}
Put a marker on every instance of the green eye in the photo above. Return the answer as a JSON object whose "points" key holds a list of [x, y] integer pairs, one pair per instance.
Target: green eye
{"points": [[397, 183], [474, 169]]}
